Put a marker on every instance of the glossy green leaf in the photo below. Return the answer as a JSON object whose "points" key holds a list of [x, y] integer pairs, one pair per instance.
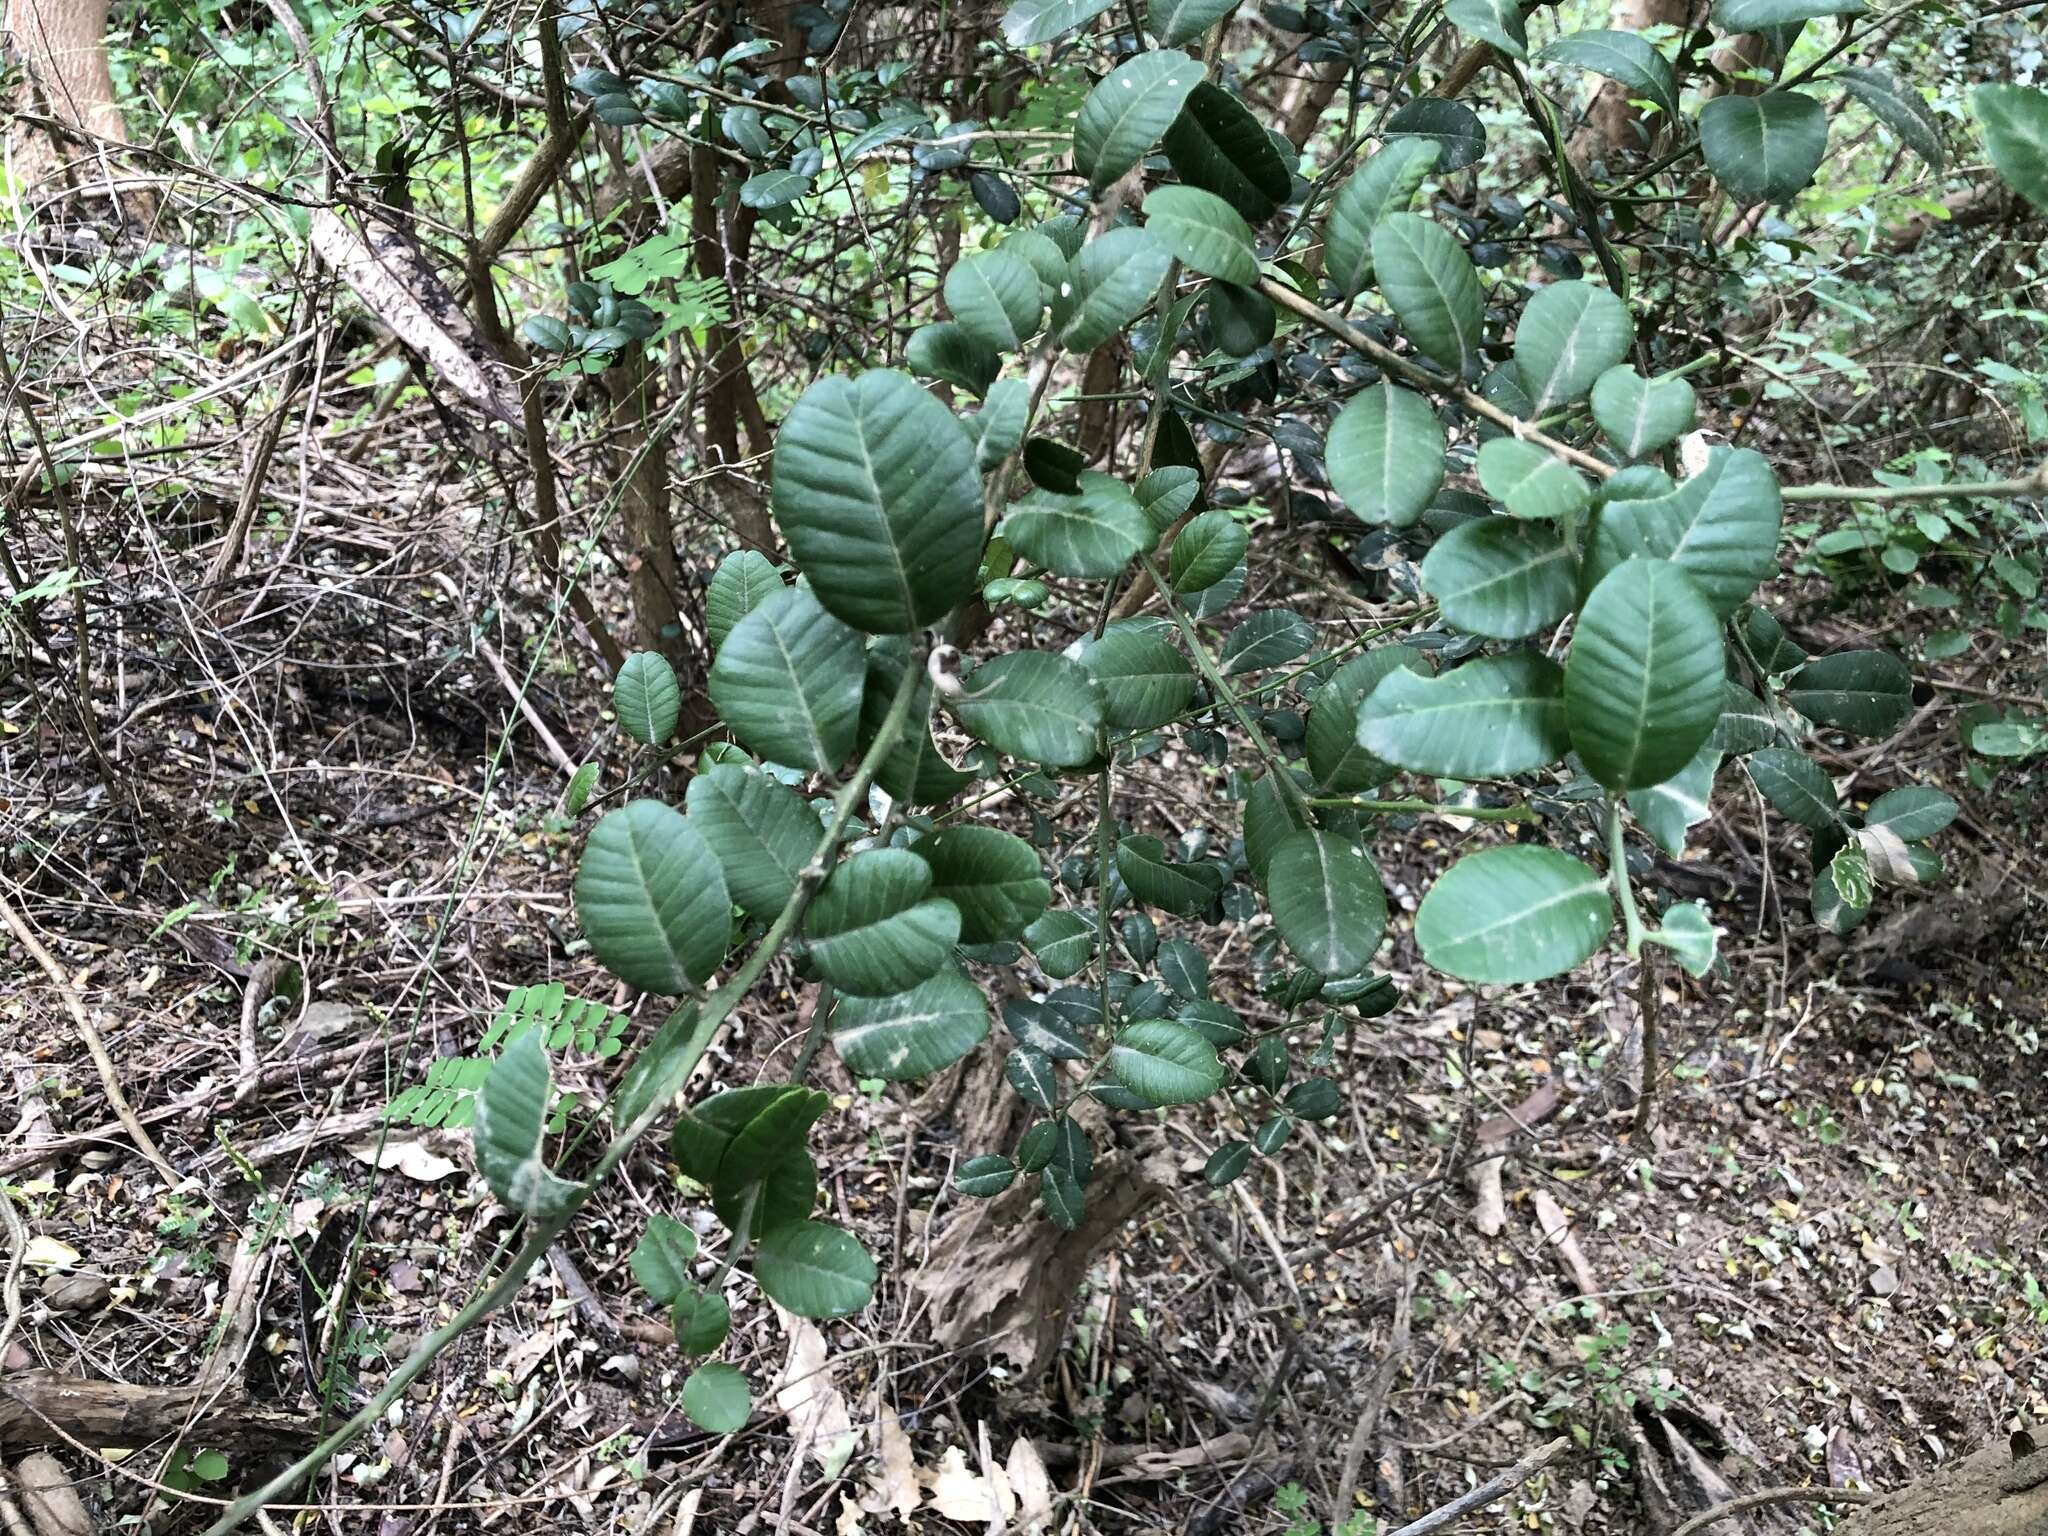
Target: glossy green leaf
{"points": [[646, 697], [1569, 334], [1530, 481], [1623, 56], [1227, 1163], [1033, 705], [1270, 818], [950, 353], [1040, 21], [1062, 1197], [984, 1177], [661, 1259], [876, 491], [1643, 684], [1205, 232], [1501, 577], [1452, 126], [743, 581], [1795, 785], [1386, 183], [1184, 968], [1641, 415], [2015, 119], [1164, 1062], [1914, 813], [1764, 148], [1158, 881], [1182, 21], [814, 1270], [874, 929], [1125, 115], [511, 1112], [1166, 493], [774, 189], [1720, 527], [1116, 275], [761, 833], [1272, 637], [1867, 693], [1340, 765], [1063, 940], [1491, 717], [582, 784], [1513, 914], [912, 1034], [1030, 1073], [1327, 902], [995, 297], [1498, 22], [716, 1399], [997, 429], [1900, 108], [1385, 455], [991, 876], [1216, 144], [1143, 681], [1093, 535], [1206, 551], [651, 899], [788, 680], [1667, 810], [1750, 15], [1430, 282]]}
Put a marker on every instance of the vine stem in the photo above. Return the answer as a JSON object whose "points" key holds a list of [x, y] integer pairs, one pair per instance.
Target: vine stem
{"points": [[2035, 484], [541, 1233], [1617, 862]]}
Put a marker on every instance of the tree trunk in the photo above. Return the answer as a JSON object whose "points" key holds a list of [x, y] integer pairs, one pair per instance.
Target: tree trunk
{"points": [[63, 46], [1988, 1494]]}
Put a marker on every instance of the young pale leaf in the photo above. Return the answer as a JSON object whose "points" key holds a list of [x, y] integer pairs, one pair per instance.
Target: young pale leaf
{"points": [[1720, 526], [995, 297], [788, 679], [1530, 481], [1569, 334], [1115, 276], [1501, 577], [1644, 682], [1667, 810], [876, 491], [1513, 914], [1040, 21], [1495, 716], [1915, 813], [1206, 551], [1340, 765], [743, 581], [1689, 933], [1641, 415], [1092, 536], [1157, 881], [762, 834], [1033, 705], [1164, 1062], [1623, 56], [1901, 109], [582, 784], [1764, 148], [1218, 145], [912, 1034], [646, 697], [873, 929], [1385, 455], [1433, 288], [2015, 119], [1327, 902], [1867, 693], [1498, 22], [1125, 115], [1175, 22], [1795, 785], [1386, 183], [1144, 682], [1205, 232], [991, 876], [511, 1111], [651, 898], [661, 1259], [814, 1270], [716, 1399]]}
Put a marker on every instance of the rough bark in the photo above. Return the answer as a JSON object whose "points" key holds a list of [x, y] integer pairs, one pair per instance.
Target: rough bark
{"points": [[1613, 125], [62, 44], [1989, 1494], [112, 1414]]}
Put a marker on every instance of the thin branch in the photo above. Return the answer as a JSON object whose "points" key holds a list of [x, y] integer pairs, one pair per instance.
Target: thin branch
{"points": [[1768, 1497], [1491, 1489], [2035, 484]]}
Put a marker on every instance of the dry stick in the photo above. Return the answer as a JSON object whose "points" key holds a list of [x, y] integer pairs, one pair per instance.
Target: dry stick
{"points": [[490, 654], [1491, 1489], [110, 1080], [1770, 1496]]}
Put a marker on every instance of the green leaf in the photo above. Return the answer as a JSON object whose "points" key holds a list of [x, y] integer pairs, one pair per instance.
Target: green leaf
{"points": [[1531, 482], [1751, 15], [1569, 334], [1031, 1074], [1315, 1099], [876, 491], [1182, 21], [1164, 1062], [1165, 493], [743, 581], [1501, 577], [715, 1398], [1764, 148], [1720, 527], [1901, 109], [1240, 320], [985, 1177], [1040, 21], [1644, 682], [1217, 145], [1143, 681], [1641, 415], [1205, 232], [1689, 933], [873, 930], [1063, 940], [1340, 765], [1495, 716], [1227, 1163], [1914, 813], [661, 1259], [581, 786], [1386, 183], [949, 352], [1206, 551], [700, 1321], [1513, 914], [1745, 723], [1042, 255], [1622, 56], [1033, 705], [1452, 126], [1327, 902], [1385, 455], [915, 771], [912, 1034], [991, 876], [998, 427], [761, 833], [774, 189], [1795, 785], [814, 1270], [1157, 881], [1093, 535], [1115, 276], [1125, 115], [1269, 638], [511, 1112], [651, 898], [1666, 810], [1270, 818], [1185, 969], [1498, 22], [996, 298], [647, 698], [2015, 119], [1062, 1196], [1867, 693], [1429, 281], [747, 1140], [788, 681], [1829, 909]]}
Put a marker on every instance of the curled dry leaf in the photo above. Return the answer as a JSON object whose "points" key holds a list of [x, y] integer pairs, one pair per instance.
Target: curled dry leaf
{"points": [[818, 1415]]}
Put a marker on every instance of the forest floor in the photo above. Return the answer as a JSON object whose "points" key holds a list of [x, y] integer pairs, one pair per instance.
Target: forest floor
{"points": [[300, 879]]}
